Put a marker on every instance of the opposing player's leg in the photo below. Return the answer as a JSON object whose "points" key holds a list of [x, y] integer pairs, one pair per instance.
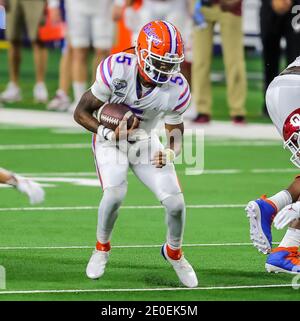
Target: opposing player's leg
{"points": [[262, 211], [285, 258], [112, 167], [164, 184]]}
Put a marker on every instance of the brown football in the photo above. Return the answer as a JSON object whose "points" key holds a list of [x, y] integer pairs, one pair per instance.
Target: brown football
{"points": [[110, 115]]}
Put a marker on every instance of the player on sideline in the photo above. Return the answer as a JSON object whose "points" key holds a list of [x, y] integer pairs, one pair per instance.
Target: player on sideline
{"points": [[24, 185], [150, 83], [283, 103]]}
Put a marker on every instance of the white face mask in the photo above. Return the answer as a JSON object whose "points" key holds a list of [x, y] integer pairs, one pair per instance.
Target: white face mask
{"points": [[293, 145], [158, 68]]}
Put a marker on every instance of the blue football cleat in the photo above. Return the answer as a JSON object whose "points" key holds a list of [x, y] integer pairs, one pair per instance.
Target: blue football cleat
{"points": [[261, 214], [283, 259]]}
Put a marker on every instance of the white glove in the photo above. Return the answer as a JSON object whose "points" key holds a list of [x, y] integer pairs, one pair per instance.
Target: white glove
{"points": [[106, 133], [32, 189], [287, 215]]}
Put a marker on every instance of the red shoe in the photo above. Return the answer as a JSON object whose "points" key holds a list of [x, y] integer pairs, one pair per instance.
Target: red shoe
{"points": [[202, 119], [238, 119]]}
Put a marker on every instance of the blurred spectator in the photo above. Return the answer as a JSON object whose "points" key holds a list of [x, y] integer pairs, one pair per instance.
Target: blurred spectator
{"points": [[276, 23], [61, 100], [174, 11], [228, 14], [89, 24], [23, 14]]}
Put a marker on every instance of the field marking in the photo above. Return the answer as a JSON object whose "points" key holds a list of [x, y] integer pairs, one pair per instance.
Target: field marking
{"points": [[147, 246], [135, 207], [207, 171], [229, 287], [44, 146], [18, 147]]}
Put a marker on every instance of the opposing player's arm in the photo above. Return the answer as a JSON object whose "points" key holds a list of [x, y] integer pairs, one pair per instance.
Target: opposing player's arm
{"points": [[83, 114]]}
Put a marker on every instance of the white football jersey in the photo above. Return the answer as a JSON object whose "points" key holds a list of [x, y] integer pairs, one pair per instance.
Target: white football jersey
{"points": [[116, 82]]}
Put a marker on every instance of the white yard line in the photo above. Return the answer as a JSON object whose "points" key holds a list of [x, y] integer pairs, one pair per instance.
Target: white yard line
{"points": [[63, 174], [132, 207], [44, 146], [207, 171], [229, 287], [274, 170], [146, 246], [18, 147]]}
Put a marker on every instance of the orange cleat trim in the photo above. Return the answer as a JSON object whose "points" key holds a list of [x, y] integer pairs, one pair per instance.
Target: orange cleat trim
{"points": [[103, 247], [174, 254], [293, 256], [288, 249]]}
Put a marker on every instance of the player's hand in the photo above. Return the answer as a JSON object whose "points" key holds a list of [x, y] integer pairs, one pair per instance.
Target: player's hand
{"points": [[198, 17], [121, 132], [32, 189], [287, 215], [163, 157]]}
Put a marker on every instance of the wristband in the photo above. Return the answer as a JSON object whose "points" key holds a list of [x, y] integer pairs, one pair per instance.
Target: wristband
{"points": [[105, 132]]}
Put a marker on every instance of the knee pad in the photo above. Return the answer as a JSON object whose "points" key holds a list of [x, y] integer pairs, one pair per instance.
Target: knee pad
{"points": [[174, 204]]}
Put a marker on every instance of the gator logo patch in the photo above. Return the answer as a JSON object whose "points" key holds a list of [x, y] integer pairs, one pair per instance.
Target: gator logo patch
{"points": [[120, 86]]}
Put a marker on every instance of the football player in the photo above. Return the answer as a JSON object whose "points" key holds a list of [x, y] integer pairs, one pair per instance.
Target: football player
{"points": [[24, 185], [150, 83], [283, 103]]}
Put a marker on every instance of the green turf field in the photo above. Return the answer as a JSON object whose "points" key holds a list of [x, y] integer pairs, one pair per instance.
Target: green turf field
{"points": [[47, 249]]}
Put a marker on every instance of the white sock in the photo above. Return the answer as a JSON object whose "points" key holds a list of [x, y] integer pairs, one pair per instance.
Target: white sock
{"points": [[291, 238], [79, 89], [281, 199]]}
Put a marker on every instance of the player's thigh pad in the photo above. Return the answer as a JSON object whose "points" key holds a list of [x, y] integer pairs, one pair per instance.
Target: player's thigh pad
{"points": [[112, 165]]}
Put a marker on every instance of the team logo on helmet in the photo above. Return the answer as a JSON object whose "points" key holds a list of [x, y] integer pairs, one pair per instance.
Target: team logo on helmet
{"points": [[150, 32], [291, 136], [295, 120]]}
